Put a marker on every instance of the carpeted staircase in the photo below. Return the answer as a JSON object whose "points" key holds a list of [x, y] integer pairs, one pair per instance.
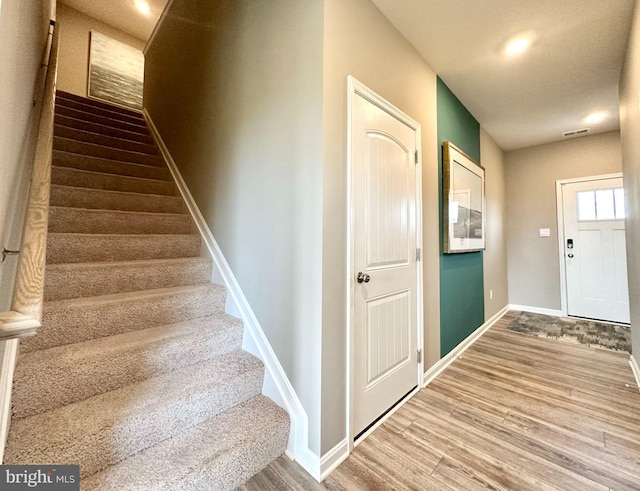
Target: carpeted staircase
{"points": [[137, 373]]}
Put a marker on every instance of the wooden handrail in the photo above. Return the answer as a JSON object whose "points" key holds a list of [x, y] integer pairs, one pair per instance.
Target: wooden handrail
{"points": [[28, 292]]}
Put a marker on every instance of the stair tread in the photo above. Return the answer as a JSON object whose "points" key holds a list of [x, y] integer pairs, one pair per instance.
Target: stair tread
{"points": [[221, 453], [66, 153], [104, 120], [76, 123], [94, 149], [85, 135], [119, 298], [71, 267], [119, 212], [69, 373], [119, 193], [96, 173], [64, 95], [106, 428]]}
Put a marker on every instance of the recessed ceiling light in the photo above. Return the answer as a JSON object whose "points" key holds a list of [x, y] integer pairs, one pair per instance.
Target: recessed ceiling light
{"points": [[517, 46], [595, 117], [143, 7]]}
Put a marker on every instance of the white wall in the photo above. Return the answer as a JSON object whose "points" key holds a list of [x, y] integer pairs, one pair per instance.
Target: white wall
{"points": [[235, 89], [495, 254], [23, 33], [74, 47], [531, 175], [630, 136]]}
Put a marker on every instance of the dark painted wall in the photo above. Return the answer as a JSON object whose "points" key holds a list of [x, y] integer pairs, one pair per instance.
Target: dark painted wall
{"points": [[461, 275]]}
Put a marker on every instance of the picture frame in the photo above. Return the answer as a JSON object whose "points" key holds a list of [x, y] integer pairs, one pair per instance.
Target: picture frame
{"points": [[116, 72], [463, 205]]}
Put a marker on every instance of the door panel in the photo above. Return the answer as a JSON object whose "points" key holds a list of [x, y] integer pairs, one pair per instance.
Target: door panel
{"points": [[384, 223], [596, 269]]}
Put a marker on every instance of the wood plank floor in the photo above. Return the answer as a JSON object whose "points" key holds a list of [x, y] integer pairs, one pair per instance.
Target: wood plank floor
{"points": [[515, 412]]}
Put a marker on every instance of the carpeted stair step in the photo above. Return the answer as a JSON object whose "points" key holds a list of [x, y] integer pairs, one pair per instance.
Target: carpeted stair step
{"points": [[48, 379], [114, 200], [84, 221], [104, 140], [219, 454], [95, 118], [107, 166], [65, 97], [84, 148], [112, 182], [105, 429], [75, 280], [83, 248], [80, 124], [80, 319], [107, 112]]}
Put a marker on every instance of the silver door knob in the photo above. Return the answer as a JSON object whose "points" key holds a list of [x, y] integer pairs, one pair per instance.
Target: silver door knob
{"points": [[363, 277], [570, 255]]}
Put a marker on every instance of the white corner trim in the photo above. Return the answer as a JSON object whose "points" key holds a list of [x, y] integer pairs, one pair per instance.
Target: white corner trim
{"points": [[537, 310], [635, 369], [444, 362], [298, 441], [8, 358], [161, 19]]}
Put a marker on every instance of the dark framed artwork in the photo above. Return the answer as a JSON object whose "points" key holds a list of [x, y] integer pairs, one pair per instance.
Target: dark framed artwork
{"points": [[464, 205], [116, 72]]}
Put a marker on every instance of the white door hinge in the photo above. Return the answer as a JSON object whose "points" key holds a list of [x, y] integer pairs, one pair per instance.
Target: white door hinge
{"points": [[418, 254], [419, 356], [417, 159]]}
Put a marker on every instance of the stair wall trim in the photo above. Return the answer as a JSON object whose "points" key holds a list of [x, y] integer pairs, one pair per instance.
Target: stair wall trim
{"points": [[276, 384]]}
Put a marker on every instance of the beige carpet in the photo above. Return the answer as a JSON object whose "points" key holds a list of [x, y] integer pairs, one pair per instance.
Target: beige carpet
{"points": [[137, 374]]}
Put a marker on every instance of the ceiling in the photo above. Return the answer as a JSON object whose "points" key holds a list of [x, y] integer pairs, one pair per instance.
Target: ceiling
{"points": [[121, 14], [571, 69]]}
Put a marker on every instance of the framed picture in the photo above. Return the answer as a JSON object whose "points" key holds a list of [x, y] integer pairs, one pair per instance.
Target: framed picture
{"points": [[116, 72], [463, 207]]}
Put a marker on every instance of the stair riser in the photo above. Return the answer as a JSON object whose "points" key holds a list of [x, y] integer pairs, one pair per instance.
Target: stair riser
{"points": [[74, 220], [88, 280], [73, 248], [90, 149], [79, 178], [100, 111], [74, 324], [96, 164], [104, 140], [114, 200], [130, 433], [69, 380], [92, 118], [71, 122]]}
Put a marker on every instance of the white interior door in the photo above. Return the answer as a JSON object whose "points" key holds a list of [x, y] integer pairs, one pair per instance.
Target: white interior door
{"points": [[385, 279], [595, 250]]}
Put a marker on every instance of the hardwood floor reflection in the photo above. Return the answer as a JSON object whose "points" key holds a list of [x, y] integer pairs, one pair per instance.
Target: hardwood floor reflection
{"points": [[515, 412]]}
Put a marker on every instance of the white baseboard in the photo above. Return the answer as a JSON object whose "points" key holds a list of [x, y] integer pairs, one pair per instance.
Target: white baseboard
{"points": [[276, 385], [635, 369], [538, 310], [446, 360], [333, 458], [8, 358]]}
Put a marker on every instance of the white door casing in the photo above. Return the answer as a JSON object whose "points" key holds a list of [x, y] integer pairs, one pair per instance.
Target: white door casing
{"points": [[594, 250], [386, 304]]}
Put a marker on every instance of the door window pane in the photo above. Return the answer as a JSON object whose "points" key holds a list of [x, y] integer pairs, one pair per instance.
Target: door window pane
{"points": [[619, 201], [604, 205], [586, 205]]}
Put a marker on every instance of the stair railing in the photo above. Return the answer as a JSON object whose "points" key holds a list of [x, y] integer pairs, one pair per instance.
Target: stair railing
{"points": [[28, 295]]}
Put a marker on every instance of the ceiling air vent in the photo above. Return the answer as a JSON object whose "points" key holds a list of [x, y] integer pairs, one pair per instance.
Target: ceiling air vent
{"points": [[576, 132]]}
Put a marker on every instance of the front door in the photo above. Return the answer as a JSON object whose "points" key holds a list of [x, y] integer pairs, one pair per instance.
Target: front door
{"points": [[385, 272], [595, 250]]}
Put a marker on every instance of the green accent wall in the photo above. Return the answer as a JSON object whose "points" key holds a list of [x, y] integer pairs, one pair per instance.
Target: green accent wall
{"points": [[461, 275]]}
